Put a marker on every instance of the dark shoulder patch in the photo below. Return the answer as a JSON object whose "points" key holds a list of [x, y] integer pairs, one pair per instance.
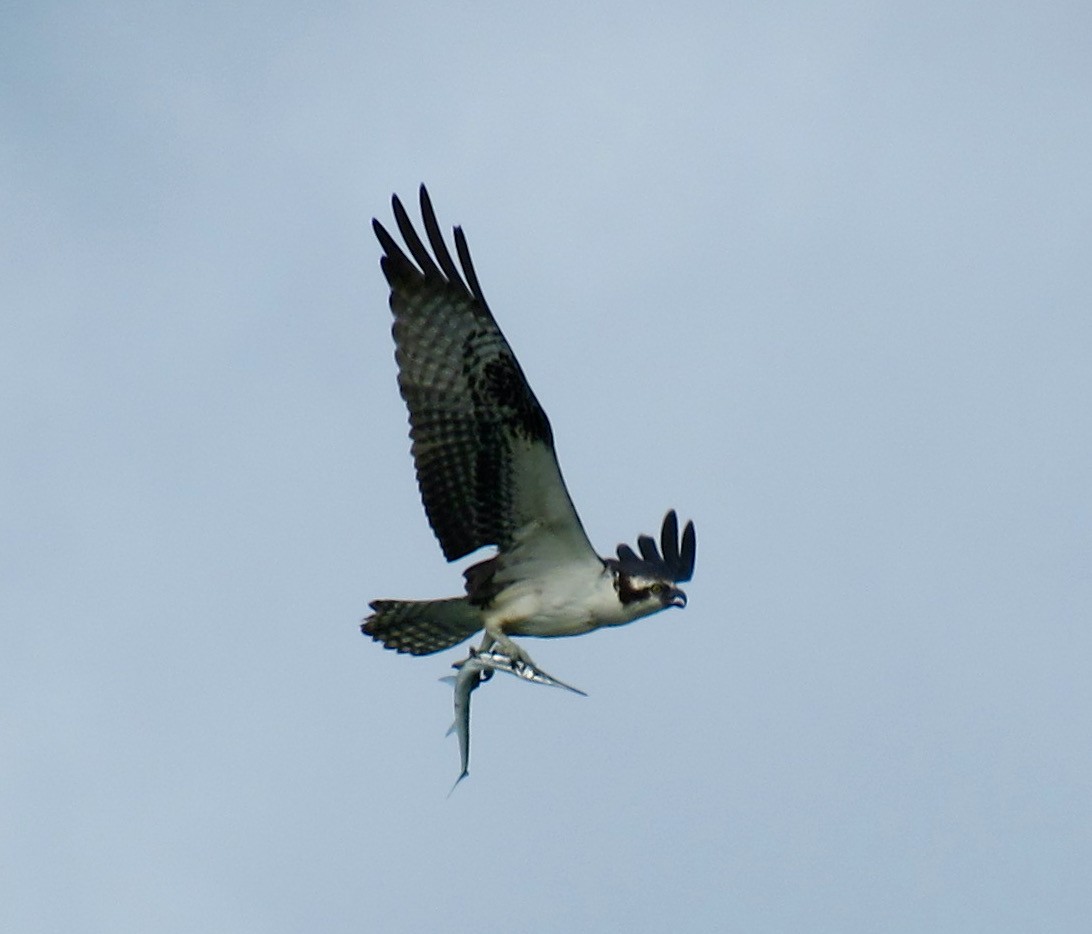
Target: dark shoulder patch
{"points": [[480, 585], [627, 593]]}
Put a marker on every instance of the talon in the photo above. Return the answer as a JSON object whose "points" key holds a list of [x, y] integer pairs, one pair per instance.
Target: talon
{"points": [[518, 654], [501, 643]]}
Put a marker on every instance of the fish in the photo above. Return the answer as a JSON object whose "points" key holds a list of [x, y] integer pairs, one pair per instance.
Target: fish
{"points": [[526, 670], [474, 670]]}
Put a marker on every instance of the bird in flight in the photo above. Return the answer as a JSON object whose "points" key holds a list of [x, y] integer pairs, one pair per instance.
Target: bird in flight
{"points": [[488, 475]]}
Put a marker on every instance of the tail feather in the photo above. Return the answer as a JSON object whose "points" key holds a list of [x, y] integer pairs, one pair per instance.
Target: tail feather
{"points": [[421, 627]]}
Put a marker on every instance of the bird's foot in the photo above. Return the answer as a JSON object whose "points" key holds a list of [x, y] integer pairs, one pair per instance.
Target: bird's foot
{"points": [[522, 665], [499, 642]]}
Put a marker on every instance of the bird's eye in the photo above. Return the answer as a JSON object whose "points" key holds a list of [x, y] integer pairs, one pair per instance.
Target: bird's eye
{"points": [[657, 588]]}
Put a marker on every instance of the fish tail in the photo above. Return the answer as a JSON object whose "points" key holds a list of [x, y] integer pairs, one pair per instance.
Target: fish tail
{"points": [[463, 775]]}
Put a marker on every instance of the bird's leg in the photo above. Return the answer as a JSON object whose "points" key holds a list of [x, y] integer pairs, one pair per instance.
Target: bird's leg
{"points": [[523, 666], [495, 636]]}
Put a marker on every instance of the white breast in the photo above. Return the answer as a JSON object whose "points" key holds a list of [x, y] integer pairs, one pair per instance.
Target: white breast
{"points": [[568, 602]]}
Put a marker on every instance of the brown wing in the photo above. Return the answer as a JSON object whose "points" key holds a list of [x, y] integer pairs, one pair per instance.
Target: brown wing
{"points": [[482, 444]]}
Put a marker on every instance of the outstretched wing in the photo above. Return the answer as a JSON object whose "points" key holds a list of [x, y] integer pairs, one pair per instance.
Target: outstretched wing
{"points": [[482, 444], [675, 564]]}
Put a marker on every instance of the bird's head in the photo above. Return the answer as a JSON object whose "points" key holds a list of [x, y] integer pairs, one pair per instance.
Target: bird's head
{"points": [[647, 594], [647, 583]]}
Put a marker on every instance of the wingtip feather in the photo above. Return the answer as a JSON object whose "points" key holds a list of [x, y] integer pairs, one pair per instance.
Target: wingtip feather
{"points": [[648, 549], [689, 550], [669, 538]]}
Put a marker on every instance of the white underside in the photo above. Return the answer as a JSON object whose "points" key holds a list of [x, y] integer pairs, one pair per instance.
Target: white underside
{"points": [[568, 602]]}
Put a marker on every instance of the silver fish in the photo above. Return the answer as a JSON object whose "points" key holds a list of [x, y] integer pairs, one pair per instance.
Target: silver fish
{"points": [[526, 670], [472, 672], [475, 669]]}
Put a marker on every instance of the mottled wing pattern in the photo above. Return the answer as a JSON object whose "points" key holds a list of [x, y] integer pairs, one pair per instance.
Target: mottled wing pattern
{"points": [[421, 627], [482, 444]]}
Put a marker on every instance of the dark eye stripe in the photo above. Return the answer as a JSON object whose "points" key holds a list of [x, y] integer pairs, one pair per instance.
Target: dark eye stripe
{"points": [[627, 593]]}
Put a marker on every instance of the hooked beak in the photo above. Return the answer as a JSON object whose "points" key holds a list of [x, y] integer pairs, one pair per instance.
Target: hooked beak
{"points": [[678, 598]]}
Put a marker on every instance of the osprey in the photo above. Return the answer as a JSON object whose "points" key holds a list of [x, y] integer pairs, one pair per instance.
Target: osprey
{"points": [[488, 475]]}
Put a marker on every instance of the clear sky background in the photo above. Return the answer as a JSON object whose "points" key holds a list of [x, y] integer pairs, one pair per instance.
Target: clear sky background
{"points": [[816, 274]]}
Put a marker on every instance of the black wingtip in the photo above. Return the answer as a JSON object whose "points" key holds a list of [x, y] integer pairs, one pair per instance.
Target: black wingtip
{"points": [[386, 241], [648, 549], [627, 555], [676, 562], [689, 551], [669, 538]]}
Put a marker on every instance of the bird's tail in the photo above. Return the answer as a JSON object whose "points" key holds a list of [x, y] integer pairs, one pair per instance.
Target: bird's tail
{"points": [[421, 627]]}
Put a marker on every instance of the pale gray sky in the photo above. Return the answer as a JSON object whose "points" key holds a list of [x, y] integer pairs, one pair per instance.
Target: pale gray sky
{"points": [[815, 274]]}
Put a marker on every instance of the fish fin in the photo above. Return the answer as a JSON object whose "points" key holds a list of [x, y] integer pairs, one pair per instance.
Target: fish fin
{"points": [[450, 679], [450, 729], [459, 779]]}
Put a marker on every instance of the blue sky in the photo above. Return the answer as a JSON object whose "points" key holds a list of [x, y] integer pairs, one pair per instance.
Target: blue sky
{"points": [[814, 274]]}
